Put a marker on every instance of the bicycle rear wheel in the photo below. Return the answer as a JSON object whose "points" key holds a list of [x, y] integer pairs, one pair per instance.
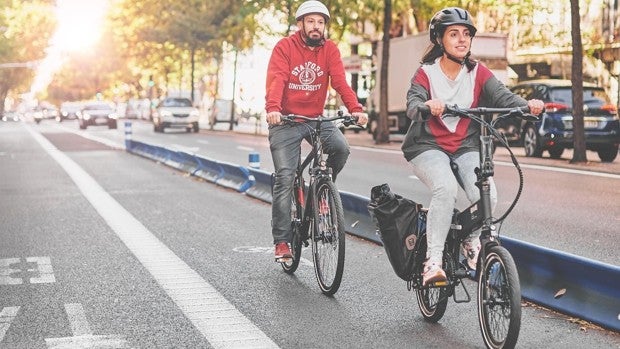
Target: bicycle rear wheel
{"points": [[433, 301], [290, 266], [499, 299], [328, 239]]}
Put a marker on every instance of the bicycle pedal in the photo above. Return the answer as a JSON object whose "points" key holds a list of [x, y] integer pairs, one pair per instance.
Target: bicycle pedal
{"points": [[439, 283]]}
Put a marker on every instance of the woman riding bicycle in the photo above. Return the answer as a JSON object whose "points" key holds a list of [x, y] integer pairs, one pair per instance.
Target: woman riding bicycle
{"points": [[437, 144], [301, 68]]}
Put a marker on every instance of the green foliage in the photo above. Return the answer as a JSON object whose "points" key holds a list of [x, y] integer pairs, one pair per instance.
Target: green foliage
{"points": [[26, 29]]}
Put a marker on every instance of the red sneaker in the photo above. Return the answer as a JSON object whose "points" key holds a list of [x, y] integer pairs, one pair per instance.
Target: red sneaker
{"points": [[283, 252]]}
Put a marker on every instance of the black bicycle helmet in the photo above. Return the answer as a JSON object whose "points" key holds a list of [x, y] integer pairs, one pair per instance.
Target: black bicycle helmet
{"points": [[450, 16]]}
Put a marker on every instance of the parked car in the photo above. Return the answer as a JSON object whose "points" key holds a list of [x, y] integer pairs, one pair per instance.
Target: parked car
{"points": [[554, 131], [97, 113], [68, 111], [175, 112]]}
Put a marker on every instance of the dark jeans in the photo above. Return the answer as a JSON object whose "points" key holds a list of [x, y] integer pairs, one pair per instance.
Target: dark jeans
{"points": [[285, 144]]}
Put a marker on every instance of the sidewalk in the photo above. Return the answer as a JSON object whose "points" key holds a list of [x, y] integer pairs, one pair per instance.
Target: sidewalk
{"points": [[364, 139]]}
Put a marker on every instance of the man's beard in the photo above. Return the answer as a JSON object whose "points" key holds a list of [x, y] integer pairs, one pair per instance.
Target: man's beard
{"points": [[312, 42]]}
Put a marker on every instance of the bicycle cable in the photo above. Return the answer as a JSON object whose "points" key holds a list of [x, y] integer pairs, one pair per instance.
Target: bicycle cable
{"points": [[490, 127]]}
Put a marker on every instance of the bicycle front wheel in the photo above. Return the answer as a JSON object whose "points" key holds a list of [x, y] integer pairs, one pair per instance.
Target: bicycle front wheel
{"points": [[499, 299], [328, 237]]}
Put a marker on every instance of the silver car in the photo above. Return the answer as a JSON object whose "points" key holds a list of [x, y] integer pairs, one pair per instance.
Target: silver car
{"points": [[175, 112]]}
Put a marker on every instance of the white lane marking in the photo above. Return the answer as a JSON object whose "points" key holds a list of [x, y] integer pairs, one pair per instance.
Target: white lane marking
{"points": [[7, 315], [244, 148], [77, 319], [83, 133], [202, 141], [217, 319], [44, 269], [6, 271], [189, 150], [564, 170], [510, 164], [82, 336]]}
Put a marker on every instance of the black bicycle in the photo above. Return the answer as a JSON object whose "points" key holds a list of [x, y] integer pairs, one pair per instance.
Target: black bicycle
{"points": [[499, 291], [316, 209]]}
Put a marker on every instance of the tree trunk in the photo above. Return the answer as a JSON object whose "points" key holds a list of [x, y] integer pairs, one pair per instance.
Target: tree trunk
{"points": [[579, 153], [383, 132], [192, 72]]}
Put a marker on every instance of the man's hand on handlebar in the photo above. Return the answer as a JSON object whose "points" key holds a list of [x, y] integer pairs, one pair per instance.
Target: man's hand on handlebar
{"points": [[362, 118], [274, 118]]}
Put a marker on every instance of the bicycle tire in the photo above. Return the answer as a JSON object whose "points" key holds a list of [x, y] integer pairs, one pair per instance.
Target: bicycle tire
{"points": [[499, 299], [290, 266], [328, 236], [433, 301]]}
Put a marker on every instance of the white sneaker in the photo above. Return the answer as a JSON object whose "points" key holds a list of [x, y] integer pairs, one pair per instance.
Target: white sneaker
{"points": [[470, 250], [433, 273]]}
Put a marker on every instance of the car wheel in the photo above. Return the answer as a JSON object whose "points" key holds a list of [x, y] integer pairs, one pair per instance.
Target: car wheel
{"points": [[155, 128], [196, 128], [556, 152], [82, 126], [531, 142], [608, 153], [112, 125]]}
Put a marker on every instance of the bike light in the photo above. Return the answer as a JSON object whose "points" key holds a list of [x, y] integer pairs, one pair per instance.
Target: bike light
{"points": [[555, 107]]}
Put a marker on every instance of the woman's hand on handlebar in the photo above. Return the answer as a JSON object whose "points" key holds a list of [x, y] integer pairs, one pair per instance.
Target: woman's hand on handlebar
{"points": [[274, 118], [536, 106], [436, 107]]}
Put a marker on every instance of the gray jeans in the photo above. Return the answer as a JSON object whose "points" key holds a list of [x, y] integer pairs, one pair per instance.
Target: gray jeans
{"points": [[432, 167], [285, 144]]}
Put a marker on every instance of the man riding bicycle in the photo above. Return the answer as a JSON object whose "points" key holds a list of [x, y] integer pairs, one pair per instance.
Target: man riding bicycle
{"points": [[443, 149], [301, 68]]}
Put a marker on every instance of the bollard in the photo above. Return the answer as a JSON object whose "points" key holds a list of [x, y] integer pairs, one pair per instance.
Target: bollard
{"points": [[128, 135], [254, 160]]}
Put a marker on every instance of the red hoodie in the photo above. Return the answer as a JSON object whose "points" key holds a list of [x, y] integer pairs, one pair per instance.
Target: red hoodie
{"points": [[298, 78]]}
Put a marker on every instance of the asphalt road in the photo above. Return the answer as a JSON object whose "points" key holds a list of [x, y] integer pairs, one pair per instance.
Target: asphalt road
{"points": [[96, 241]]}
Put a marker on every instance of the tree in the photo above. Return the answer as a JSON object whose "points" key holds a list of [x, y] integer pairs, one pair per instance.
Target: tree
{"points": [[579, 153], [383, 132], [26, 31]]}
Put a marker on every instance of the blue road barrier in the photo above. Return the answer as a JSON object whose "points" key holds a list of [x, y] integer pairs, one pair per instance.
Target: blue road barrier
{"points": [[262, 186], [208, 169], [235, 177], [570, 284]]}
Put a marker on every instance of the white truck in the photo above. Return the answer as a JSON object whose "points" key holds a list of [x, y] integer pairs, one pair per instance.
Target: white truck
{"points": [[405, 57]]}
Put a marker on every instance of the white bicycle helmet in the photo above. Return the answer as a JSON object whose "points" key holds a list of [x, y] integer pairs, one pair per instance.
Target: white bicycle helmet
{"points": [[312, 6]]}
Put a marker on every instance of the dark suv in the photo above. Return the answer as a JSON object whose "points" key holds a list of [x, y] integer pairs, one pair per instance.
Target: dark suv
{"points": [[554, 131]]}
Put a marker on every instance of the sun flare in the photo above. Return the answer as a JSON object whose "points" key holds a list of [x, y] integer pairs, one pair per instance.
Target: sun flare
{"points": [[79, 23]]}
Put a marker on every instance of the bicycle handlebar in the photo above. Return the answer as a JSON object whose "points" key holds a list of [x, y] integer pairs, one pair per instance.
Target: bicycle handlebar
{"points": [[521, 112], [347, 120]]}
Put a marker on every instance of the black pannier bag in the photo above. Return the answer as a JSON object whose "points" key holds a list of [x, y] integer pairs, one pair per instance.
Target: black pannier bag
{"points": [[397, 220]]}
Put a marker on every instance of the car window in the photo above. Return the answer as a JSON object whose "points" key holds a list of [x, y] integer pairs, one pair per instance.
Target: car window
{"points": [[591, 96], [176, 102], [525, 91]]}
